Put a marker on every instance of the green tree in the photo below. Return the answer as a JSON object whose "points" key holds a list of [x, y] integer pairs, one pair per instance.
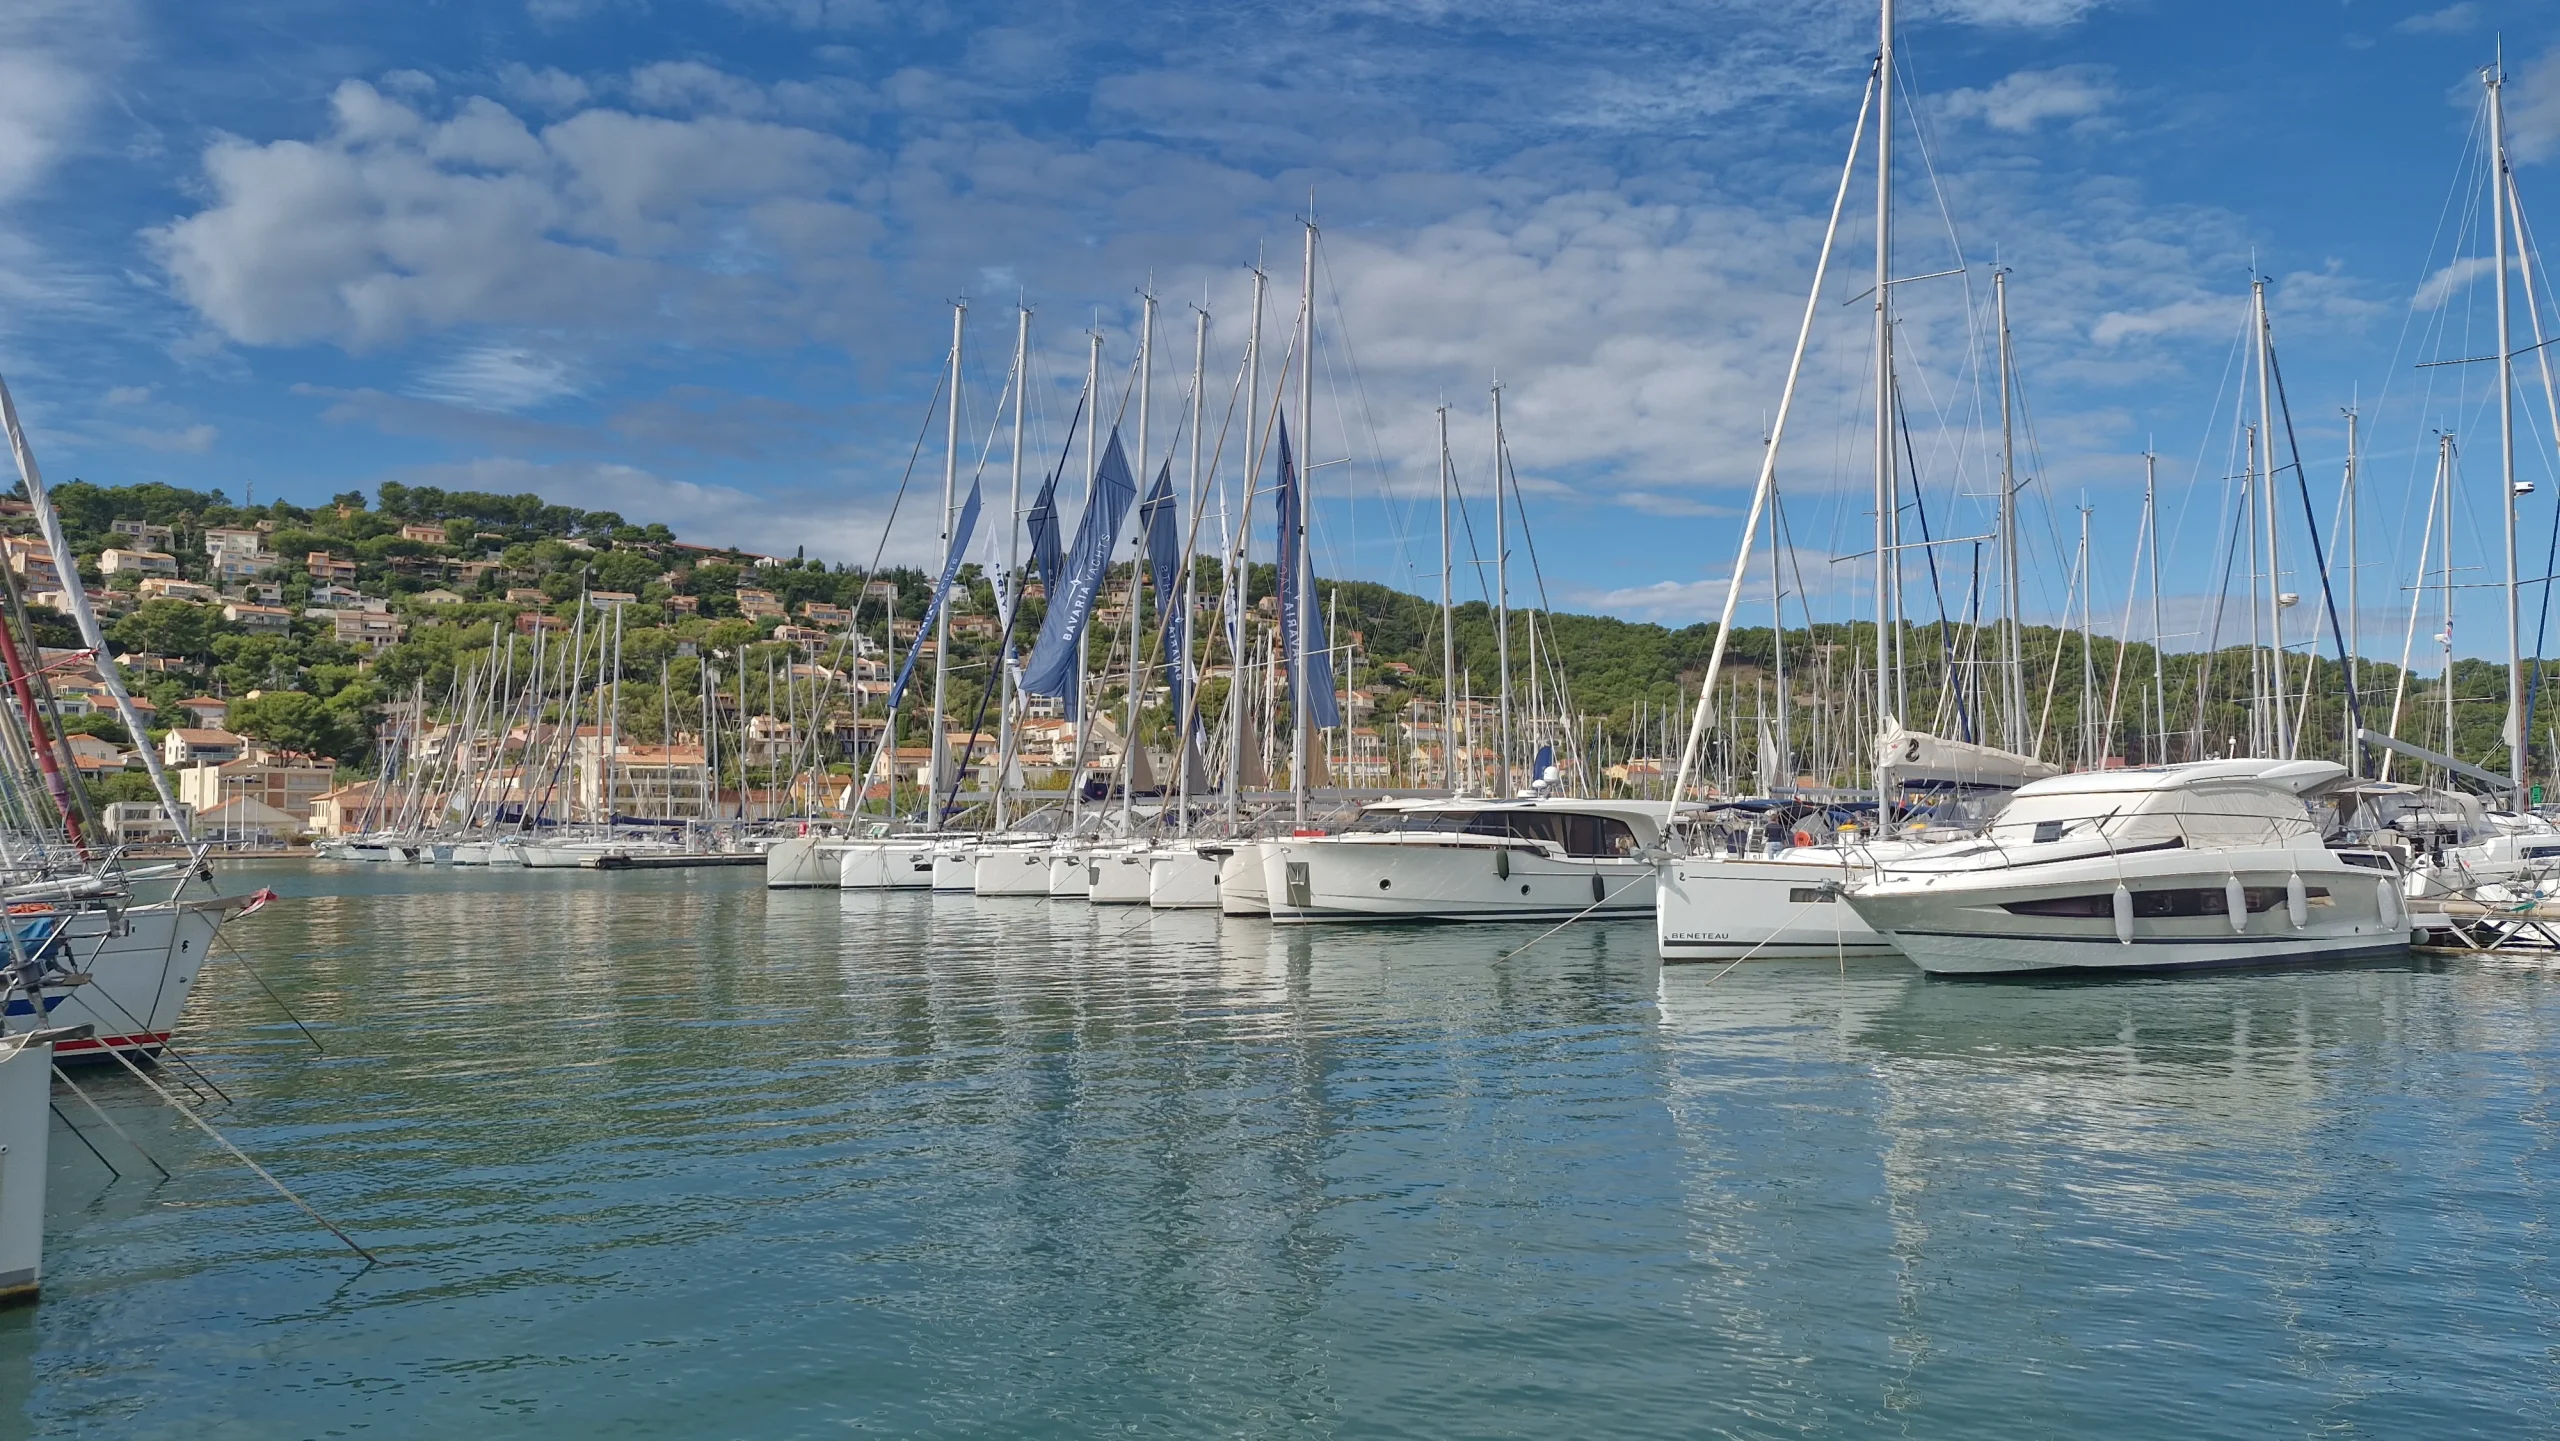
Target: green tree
{"points": [[169, 627], [295, 720]]}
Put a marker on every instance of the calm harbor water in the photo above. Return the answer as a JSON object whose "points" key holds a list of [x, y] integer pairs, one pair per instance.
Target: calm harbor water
{"points": [[665, 1155]]}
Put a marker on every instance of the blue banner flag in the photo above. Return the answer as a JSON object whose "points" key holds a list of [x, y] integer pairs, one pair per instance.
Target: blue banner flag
{"points": [[1052, 670], [950, 571], [1321, 709], [1044, 534], [1158, 520]]}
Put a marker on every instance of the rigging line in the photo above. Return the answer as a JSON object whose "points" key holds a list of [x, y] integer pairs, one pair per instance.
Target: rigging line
{"points": [[1946, 638], [2310, 518], [1360, 387]]}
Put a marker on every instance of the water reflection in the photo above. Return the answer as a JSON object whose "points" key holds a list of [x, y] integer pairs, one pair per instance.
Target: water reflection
{"points": [[670, 1155]]}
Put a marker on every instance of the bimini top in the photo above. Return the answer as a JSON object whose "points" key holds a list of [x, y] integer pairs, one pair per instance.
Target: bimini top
{"points": [[2300, 778]]}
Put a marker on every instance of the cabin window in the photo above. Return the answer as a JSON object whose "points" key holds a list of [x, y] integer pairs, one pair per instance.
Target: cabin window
{"points": [[2048, 831], [1597, 836], [2084, 907], [1809, 895]]}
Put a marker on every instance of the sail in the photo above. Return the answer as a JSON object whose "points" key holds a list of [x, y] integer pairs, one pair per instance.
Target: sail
{"points": [[942, 589], [1250, 774], [1044, 534], [1052, 670], [1321, 709], [1769, 767], [1915, 758]]}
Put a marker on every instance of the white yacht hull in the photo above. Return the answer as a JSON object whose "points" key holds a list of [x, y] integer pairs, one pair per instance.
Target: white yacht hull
{"points": [[804, 863], [1070, 873], [955, 867], [1446, 878], [1119, 877], [1962, 924], [140, 974], [1013, 871], [1240, 889], [1728, 908], [467, 853], [1183, 879], [895, 865]]}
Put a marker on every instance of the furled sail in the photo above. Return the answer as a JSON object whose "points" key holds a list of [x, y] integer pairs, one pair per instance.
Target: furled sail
{"points": [[1915, 758], [1052, 670], [1319, 678], [958, 548]]}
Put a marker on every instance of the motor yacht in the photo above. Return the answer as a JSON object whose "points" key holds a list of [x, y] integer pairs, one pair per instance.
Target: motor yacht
{"points": [[1532, 858], [2214, 863]]}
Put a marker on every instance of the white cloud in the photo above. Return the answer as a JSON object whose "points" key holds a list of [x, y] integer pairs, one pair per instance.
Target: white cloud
{"points": [[548, 89], [2020, 102], [2459, 19], [185, 440], [395, 223], [1676, 506], [2442, 286], [129, 395], [2533, 108], [1673, 602], [2203, 315], [504, 378]]}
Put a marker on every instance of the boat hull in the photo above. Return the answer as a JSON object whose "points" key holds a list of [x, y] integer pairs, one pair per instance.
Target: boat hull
{"points": [[1967, 924], [1183, 879], [1240, 889], [1013, 871], [886, 866], [1378, 878], [1070, 874], [1719, 908], [140, 973], [803, 863], [1119, 877], [955, 868]]}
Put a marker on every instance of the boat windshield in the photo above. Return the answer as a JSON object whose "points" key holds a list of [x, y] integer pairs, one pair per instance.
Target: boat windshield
{"points": [[1576, 835]]}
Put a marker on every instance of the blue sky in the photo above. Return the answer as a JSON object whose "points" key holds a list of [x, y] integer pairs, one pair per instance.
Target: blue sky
{"points": [[690, 259]]}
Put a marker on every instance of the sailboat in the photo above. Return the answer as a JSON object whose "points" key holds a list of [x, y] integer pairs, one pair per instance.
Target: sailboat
{"points": [[1781, 900]]}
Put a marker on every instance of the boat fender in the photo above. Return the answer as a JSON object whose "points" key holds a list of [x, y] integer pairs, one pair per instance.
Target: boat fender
{"points": [[1502, 864], [2124, 916], [2387, 901], [2235, 900], [1599, 892], [1804, 838], [2297, 901]]}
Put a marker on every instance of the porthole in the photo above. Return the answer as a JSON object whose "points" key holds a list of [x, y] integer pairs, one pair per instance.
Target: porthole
{"points": [[1524, 888], [1385, 884]]}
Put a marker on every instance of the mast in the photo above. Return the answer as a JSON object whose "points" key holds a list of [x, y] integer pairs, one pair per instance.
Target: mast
{"points": [[2014, 694], [1887, 492], [1697, 721], [1448, 635], [2159, 666], [1778, 643], [2518, 799], [2353, 752], [1240, 561], [1301, 712], [941, 613], [1012, 565], [1190, 600], [1501, 610], [2279, 739], [2088, 654], [1137, 566], [1083, 706]]}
